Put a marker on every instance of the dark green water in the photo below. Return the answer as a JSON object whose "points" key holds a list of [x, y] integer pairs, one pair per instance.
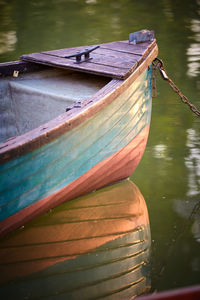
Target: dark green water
{"points": [[169, 173]]}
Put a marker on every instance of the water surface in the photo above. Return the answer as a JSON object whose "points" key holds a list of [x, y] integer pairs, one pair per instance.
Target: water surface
{"points": [[169, 173]]}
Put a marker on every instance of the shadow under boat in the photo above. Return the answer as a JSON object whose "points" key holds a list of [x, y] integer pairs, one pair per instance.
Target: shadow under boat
{"points": [[96, 246]]}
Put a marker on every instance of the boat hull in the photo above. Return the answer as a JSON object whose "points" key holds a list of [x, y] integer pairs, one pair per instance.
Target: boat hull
{"points": [[104, 148]]}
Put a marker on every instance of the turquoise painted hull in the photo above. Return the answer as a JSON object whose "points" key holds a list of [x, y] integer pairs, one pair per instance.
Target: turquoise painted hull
{"points": [[27, 179]]}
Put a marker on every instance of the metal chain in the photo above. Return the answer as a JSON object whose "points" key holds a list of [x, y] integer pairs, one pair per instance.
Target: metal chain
{"points": [[158, 64]]}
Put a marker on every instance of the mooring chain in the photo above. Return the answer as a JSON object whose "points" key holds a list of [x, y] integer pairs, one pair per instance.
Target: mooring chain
{"points": [[158, 64]]}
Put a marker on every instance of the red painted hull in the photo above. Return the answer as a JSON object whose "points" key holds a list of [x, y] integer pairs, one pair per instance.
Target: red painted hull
{"points": [[118, 166]]}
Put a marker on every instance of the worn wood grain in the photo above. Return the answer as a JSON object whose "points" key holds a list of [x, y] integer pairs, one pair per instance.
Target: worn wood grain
{"points": [[105, 57], [99, 67], [129, 57], [124, 46], [115, 59]]}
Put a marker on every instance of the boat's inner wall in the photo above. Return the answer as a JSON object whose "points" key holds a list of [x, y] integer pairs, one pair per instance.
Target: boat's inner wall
{"points": [[33, 99]]}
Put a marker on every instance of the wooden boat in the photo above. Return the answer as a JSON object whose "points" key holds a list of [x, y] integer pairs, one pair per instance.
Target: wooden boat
{"points": [[71, 124], [96, 246]]}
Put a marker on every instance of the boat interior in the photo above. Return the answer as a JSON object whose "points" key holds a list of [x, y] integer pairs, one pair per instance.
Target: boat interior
{"points": [[32, 99]]}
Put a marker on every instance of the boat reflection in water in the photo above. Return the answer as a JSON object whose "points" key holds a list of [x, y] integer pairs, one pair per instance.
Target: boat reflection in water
{"points": [[96, 246]]}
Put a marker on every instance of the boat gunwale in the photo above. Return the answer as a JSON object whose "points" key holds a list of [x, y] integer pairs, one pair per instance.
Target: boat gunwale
{"points": [[49, 131]]}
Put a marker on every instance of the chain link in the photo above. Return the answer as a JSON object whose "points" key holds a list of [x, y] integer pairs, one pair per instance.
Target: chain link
{"points": [[158, 64]]}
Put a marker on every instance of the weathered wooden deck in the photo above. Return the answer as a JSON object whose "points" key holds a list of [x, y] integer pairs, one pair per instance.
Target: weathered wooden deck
{"points": [[115, 59]]}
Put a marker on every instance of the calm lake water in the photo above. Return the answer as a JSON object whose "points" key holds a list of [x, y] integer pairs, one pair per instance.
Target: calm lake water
{"points": [[169, 173]]}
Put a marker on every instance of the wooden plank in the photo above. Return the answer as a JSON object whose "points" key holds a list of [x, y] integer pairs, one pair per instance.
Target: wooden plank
{"points": [[117, 54], [107, 57], [101, 51], [125, 46], [112, 61], [104, 53], [100, 58], [67, 51], [120, 46], [115, 59], [89, 67]]}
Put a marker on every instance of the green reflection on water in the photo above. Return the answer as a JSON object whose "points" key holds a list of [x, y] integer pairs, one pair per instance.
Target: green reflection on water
{"points": [[169, 173]]}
